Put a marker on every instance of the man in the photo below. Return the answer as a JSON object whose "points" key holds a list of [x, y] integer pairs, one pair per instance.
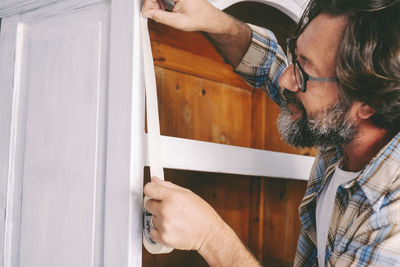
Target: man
{"points": [[340, 92]]}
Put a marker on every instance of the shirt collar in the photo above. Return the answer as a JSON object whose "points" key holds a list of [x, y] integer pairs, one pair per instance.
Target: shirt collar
{"points": [[325, 162], [386, 164], [377, 177]]}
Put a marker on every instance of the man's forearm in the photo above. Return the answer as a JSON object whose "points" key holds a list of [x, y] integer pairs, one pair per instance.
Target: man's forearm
{"points": [[226, 249], [233, 39], [230, 36]]}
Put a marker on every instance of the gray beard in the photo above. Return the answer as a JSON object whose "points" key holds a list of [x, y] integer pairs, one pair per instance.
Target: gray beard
{"points": [[322, 129]]}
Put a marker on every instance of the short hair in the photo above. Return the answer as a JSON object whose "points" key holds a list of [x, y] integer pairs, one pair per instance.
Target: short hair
{"points": [[368, 59]]}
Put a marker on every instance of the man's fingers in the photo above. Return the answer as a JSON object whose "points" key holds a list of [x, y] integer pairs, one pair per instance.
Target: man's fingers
{"points": [[161, 4], [154, 222], [150, 5], [165, 17], [160, 190], [156, 190], [152, 206], [166, 183], [156, 15], [155, 235]]}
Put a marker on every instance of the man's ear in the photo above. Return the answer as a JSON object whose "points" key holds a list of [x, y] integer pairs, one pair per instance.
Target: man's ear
{"points": [[365, 111]]}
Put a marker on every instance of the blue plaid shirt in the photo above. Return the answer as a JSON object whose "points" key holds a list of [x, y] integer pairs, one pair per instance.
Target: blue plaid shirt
{"points": [[365, 225]]}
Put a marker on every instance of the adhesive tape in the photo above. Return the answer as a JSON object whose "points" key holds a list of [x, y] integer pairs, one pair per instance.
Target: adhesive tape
{"points": [[154, 138]]}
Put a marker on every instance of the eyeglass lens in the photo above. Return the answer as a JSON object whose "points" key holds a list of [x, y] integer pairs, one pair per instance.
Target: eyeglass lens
{"points": [[298, 76]]}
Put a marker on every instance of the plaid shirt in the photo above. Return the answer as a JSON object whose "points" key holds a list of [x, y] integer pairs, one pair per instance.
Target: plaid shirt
{"points": [[365, 224]]}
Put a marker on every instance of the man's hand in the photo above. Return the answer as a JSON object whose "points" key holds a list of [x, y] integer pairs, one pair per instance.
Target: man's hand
{"points": [[184, 221], [181, 219], [187, 15], [230, 36]]}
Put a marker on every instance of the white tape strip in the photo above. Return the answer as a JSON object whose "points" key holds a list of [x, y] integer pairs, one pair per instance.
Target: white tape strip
{"points": [[153, 137], [153, 125]]}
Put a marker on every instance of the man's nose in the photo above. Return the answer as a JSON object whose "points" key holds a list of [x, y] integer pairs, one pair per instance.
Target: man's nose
{"points": [[288, 80]]}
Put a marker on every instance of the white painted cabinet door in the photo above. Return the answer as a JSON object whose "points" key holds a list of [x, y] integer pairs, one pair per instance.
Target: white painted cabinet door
{"points": [[71, 136]]}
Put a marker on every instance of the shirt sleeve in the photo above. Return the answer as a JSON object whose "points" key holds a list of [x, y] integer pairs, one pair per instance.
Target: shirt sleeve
{"points": [[263, 63]]}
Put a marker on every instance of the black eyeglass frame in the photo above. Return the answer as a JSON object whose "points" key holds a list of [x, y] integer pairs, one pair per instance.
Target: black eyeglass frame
{"points": [[302, 84]]}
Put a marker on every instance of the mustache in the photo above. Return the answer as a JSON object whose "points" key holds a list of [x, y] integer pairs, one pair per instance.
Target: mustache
{"points": [[291, 98]]}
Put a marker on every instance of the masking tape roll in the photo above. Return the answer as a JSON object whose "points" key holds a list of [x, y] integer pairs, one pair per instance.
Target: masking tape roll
{"points": [[151, 246], [154, 138]]}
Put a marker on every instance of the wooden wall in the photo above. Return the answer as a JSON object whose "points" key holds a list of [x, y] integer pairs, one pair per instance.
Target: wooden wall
{"points": [[201, 98]]}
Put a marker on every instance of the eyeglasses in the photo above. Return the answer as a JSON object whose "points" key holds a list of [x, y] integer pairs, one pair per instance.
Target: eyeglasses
{"points": [[300, 75]]}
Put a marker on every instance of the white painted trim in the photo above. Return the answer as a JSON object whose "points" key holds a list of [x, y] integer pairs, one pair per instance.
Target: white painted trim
{"points": [[125, 142], [58, 9], [185, 154], [14, 192], [138, 148], [13, 7], [8, 44]]}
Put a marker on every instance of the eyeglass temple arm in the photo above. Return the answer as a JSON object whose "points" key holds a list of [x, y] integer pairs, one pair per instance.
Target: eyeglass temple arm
{"points": [[322, 79]]}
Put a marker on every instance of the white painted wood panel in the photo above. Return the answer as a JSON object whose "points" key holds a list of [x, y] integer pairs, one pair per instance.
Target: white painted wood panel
{"points": [[72, 157], [58, 139], [63, 78]]}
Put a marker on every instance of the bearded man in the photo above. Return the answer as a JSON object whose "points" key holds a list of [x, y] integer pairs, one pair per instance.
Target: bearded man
{"points": [[339, 90]]}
